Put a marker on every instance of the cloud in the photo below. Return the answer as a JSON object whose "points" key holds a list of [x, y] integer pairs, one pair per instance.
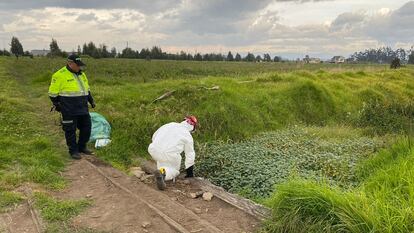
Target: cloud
{"points": [[149, 6], [347, 21], [208, 26], [87, 17], [386, 26]]}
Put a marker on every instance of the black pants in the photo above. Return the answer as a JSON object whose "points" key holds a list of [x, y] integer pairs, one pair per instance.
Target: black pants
{"points": [[70, 124]]}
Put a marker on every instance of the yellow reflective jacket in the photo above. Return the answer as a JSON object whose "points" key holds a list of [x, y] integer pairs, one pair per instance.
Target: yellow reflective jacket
{"points": [[70, 91]]}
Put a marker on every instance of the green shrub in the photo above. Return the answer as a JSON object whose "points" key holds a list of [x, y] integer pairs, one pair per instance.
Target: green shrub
{"points": [[303, 206], [388, 116], [383, 202]]}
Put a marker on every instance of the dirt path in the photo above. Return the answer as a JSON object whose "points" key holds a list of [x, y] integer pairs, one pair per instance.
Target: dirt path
{"points": [[122, 203], [19, 220]]}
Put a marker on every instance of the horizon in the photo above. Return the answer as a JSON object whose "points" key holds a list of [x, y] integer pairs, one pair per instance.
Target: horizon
{"points": [[287, 28]]}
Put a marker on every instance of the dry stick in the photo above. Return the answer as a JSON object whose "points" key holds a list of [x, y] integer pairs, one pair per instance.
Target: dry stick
{"points": [[214, 88], [33, 213], [165, 95], [35, 217], [170, 221]]}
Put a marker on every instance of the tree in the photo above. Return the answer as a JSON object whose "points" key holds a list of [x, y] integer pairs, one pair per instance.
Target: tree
{"points": [[16, 47], [230, 56], [183, 55], [277, 59], [306, 59], [266, 57], [28, 54], [144, 54], [4, 53], [258, 58], [238, 57], [396, 63], [79, 50], [156, 53], [54, 49], [249, 57], [129, 53], [91, 50], [113, 52], [380, 55], [103, 51], [198, 57], [411, 57]]}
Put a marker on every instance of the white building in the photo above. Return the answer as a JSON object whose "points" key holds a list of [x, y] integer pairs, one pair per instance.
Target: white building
{"points": [[39, 52], [338, 59]]}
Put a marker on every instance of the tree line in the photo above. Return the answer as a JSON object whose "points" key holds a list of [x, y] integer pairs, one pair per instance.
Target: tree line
{"points": [[380, 55], [102, 51], [383, 55]]}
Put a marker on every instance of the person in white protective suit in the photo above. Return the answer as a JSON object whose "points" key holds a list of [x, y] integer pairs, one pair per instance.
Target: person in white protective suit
{"points": [[168, 142]]}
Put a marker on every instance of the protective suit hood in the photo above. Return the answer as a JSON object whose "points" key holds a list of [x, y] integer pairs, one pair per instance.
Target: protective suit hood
{"points": [[188, 126]]}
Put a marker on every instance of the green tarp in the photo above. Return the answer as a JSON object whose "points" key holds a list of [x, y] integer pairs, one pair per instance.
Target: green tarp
{"points": [[101, 129]]}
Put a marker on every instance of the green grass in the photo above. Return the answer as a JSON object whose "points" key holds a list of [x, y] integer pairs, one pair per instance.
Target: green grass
{"points": [[9, 199], [261, 97], [27, 151], [53, 210], [66, 228], [252, 99], [58, 213], [384, 202]]}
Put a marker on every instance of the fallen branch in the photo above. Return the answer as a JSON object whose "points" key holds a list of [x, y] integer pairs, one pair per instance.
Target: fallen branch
{"points": [[163, 96], [214, 88]]}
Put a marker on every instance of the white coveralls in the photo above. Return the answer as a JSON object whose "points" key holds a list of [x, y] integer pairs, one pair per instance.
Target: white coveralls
{"points": [[168, 142]]}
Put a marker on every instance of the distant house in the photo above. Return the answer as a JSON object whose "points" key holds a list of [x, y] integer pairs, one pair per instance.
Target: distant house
{"points": [[338, 59], [39, 52], [314, 60]]}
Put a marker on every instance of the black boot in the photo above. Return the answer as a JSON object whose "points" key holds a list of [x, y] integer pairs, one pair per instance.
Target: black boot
{"points": [[86, 151], [75, 155]]}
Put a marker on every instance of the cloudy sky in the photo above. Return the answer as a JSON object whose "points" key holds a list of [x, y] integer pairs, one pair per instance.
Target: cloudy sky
{"points": [[291, 28]]}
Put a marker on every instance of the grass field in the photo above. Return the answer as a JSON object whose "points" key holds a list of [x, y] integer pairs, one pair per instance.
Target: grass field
{"points": [[335, 102]]}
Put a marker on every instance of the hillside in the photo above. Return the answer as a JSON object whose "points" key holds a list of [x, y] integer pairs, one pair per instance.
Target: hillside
{"points": [[243, 108]]}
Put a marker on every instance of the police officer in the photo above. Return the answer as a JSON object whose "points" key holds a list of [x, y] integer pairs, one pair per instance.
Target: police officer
{"points": [[70, 94]]}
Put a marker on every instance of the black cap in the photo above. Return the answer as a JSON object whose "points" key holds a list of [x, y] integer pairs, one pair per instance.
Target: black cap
{"points": [[76, 59]]}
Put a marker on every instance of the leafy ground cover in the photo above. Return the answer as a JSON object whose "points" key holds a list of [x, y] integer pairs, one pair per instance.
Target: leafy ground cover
{"points": [[253, 167]]}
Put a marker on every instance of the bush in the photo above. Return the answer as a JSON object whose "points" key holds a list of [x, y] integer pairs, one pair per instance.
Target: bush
{"points": [[303, 206], [387, 117], [395, 63], [382, 203]]}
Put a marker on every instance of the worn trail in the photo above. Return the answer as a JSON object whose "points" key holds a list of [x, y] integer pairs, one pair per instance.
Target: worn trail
{"points": [[123, 203]]}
